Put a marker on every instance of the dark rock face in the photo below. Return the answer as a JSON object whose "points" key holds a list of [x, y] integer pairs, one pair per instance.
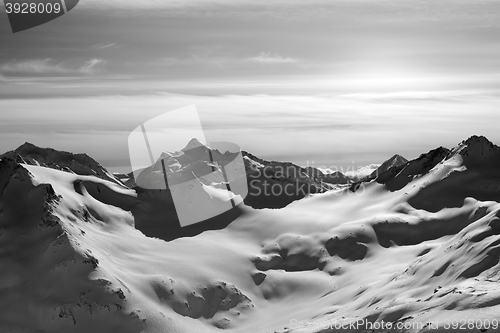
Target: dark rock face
{"points": [[81, 164], [273, 184], [478, 152], [394, 161]]}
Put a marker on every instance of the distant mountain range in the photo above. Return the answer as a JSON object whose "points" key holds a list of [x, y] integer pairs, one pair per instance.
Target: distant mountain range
{"points": [[395, 172], [265, 179], [300, 181]]}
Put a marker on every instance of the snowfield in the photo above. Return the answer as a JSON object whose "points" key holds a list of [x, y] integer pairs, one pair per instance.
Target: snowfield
{"points": [[415, 249]]}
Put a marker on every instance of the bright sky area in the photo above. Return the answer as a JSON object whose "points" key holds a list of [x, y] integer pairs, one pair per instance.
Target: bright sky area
{"points": [[341, 83]]}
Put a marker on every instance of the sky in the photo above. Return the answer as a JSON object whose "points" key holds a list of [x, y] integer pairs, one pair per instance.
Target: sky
{"points": [[330, 83]]}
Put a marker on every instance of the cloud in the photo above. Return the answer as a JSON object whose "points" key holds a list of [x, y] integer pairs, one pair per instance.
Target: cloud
{"points": [[226, 60], [272, 58], [34, 66], [49, 66], [378, 131], [92, 66], [105, 46], [156, 4], [422, 96]]}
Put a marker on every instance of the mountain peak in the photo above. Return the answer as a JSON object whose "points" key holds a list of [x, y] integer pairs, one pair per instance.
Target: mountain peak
{"points": [[478, 141], [477, 150], [397, 156], [193, 143], [81, 164], [26, 145], [28, 148], [395, 161]]}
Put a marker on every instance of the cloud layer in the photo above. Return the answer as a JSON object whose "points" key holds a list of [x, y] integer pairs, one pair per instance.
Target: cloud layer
{"points": [[49, 66], [349, 77]]}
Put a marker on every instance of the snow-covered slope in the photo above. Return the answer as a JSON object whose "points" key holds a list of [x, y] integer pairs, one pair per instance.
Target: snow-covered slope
{"points": [[419, 247], [46, 258]]}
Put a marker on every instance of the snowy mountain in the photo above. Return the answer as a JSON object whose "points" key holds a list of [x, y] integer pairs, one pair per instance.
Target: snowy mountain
{"points": [[265, 179], [396, 176], [394, 161], [81, 164], [274, 184], [195, 160], [369, 171], [46, 259], [194, 184], [417, 247]]}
